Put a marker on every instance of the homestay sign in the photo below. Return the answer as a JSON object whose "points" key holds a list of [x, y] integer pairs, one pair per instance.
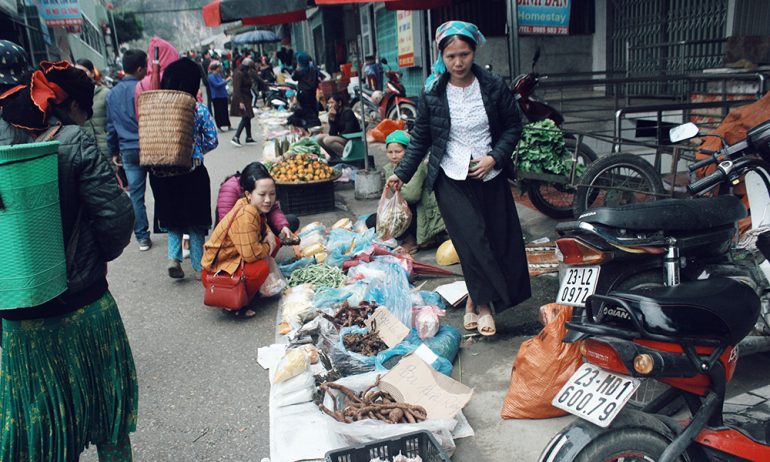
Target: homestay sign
{"points": [[405, 38], [543, 17], [60, 12]]}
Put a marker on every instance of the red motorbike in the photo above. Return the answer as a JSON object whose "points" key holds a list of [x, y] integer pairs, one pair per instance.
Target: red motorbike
{"points": [[390, 104]]}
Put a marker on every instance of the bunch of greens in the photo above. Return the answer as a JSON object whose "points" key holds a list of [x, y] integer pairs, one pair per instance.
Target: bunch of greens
{"points": [[541, 150]]}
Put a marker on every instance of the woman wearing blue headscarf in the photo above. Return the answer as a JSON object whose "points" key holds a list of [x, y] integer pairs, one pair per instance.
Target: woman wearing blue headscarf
{"points": [[468, 121]]}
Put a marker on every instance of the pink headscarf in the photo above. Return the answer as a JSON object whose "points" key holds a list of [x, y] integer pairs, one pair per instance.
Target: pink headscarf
{"points": [[167, 55]]}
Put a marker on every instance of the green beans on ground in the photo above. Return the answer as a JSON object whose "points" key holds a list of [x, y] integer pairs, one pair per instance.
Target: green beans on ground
{"points": [[320, 275]]}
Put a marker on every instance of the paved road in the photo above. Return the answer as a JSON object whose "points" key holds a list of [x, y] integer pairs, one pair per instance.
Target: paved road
{"points": [[203, 396]]}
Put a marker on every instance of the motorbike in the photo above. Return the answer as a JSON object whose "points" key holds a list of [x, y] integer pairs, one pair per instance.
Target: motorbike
{"points": [[686, 335], [661, 243], [555, 198], [390, 104]]}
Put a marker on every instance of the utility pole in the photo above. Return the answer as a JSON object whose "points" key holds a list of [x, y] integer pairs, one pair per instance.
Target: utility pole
{"points": [[114, 34], [513, 38]]}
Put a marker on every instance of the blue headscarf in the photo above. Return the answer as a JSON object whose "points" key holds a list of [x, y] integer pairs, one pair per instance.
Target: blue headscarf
{"points": [[304, 61], [443, 31]]}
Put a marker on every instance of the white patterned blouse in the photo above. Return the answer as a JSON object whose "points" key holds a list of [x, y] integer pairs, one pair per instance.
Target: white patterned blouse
{"points": [[469, 135]]}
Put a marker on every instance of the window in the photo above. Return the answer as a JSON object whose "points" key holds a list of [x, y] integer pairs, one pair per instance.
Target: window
{"points": [[367, 30], [91, 35]]}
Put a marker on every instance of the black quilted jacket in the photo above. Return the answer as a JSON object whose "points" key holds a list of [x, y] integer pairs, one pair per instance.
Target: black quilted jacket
{"points": [[86, 181], [431, 129]]}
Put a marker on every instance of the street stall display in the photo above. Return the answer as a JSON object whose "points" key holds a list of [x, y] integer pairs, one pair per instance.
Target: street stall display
{"points": [[352, 343]]}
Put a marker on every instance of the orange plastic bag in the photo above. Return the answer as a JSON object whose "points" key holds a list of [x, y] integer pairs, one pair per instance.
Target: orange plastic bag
{"points": [[385, 128], [542, 366]]}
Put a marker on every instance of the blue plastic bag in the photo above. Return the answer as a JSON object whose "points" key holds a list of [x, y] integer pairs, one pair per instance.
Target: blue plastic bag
{"points": [[329, 296], [446, 344], [342, 245], [432, 298], [348, 362], [392, 291], [288, 268]]}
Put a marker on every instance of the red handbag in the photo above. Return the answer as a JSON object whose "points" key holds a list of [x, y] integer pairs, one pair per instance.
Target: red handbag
{"points": [[224, 290]]}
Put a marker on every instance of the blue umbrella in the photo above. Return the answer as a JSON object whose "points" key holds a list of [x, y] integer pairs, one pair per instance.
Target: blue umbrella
{"points": [[256, 36]]}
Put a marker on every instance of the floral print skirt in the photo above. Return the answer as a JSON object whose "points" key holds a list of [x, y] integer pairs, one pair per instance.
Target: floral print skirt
{"points": [[66, 382]]}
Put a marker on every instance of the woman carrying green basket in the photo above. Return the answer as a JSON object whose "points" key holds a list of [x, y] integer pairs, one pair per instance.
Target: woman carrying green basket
{"points": [[67, 377]]}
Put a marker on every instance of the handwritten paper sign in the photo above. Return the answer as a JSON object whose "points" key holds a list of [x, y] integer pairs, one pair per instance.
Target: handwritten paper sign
{"points": [[390, 329]]}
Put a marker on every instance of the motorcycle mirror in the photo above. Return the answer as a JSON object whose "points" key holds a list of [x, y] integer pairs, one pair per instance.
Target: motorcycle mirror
{"points": [[683, 132], [384, 61], [536, 58]]}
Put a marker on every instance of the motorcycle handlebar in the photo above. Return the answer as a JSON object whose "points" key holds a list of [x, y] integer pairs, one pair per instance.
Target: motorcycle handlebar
{"points": [[707, 182], [702, 163]]}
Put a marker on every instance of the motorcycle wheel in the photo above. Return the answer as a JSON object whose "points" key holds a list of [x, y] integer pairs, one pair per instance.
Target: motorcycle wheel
{"points": [[553, 199], [615, 180], [371, 118], [408, 111], [625, 445]]}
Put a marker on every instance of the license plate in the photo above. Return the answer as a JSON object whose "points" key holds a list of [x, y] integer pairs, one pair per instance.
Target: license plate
{"points": [[595, 395], [577, 284]]}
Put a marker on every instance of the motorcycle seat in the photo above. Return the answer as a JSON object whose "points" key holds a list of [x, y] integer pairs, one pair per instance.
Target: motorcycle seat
{"points": [[670, 214], [719, 308]]}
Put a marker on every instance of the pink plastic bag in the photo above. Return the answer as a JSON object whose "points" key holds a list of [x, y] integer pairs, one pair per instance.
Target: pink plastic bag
{"points": [[426, 320], [393, 215]]}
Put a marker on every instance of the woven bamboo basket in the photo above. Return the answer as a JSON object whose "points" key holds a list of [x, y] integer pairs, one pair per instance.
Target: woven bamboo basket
{"points": [[166, 128]]}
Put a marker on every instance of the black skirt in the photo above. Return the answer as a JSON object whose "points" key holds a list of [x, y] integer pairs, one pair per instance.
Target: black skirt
{"points": [[183, 201], [482, 222], [221, 113]]}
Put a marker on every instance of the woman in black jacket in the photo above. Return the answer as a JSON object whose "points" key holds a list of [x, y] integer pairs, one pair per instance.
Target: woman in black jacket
{"points": [[469, 123], [342, 121], [67, 377]]}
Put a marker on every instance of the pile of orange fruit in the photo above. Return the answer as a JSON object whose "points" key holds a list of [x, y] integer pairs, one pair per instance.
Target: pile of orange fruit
{"points": [[301, 168]]}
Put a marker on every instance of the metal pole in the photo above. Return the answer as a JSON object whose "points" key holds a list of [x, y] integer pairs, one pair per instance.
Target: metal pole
{"points": [[514, 65], [361, 89], [29, 34], [114, 35]]}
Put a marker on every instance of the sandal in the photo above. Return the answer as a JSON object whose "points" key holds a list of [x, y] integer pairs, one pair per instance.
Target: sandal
{"points": [[486, 325], [244, 313], [471, 321]]}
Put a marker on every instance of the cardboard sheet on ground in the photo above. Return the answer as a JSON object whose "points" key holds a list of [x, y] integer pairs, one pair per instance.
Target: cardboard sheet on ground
{"points": [[388, 327], [453, 293], [413, 381]]}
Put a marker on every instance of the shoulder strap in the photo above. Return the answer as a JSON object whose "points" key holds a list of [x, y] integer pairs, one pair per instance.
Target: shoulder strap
{"points": [[227, 230]]}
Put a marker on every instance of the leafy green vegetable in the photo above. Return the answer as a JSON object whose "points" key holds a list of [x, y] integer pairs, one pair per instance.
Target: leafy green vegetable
{"points": [[541, 150]]}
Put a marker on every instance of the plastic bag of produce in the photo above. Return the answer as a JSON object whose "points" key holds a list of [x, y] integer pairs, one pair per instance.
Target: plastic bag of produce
{"points": [[295, 362], [349, 362], [326, 297], [289, 268], [342, 245], [275, 281], [445, 344], [542, 366], [297, 305], [426, 320], [392, 291], [393, 215]]}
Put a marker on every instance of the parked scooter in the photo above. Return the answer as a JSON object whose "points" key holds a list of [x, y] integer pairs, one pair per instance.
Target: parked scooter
{"points": [[683, 335], [553, 199], [391, 104]]}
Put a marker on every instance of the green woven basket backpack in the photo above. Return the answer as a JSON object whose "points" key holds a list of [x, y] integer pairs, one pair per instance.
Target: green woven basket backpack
{"points": [[31, 241]]}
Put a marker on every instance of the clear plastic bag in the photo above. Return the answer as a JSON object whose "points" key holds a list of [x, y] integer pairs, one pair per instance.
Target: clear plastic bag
{"points": [[392, 291], [348, 362], [343, 244], [289, 268], [326, 297], [393, 215], [297, 305], [275, 281], [426, 320], [295, 362]]}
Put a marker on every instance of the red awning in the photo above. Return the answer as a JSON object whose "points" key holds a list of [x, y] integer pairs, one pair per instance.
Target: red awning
{"points": [[346, 2], [253, 13], [284, 18], [416, 4]]}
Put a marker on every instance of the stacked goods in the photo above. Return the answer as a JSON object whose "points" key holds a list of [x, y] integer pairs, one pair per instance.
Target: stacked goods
{"points": [[301, 168]]}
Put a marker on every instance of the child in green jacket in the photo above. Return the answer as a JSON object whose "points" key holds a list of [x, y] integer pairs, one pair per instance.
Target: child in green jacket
{"points": [[426, 218]]}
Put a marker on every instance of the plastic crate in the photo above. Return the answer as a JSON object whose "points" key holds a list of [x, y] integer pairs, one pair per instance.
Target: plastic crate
{"points": [[306, 199], [413, 444]]}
